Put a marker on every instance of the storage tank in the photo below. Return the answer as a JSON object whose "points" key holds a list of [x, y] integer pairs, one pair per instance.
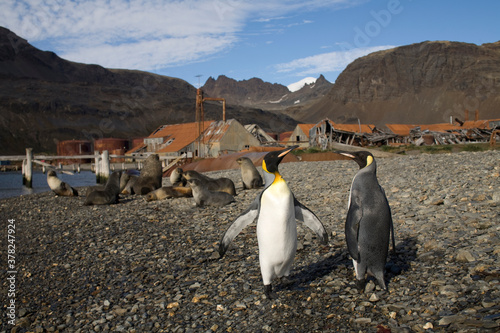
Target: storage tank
{"points": [[74, 148], [137, 142], [113, 145]]}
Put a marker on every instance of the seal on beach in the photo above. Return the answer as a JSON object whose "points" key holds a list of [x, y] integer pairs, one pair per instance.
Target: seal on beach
{"points": [[176, 178], [166, 192], [204, 197], [109, 195], [127, 180], [129, 186], [369, 221], [150, 177], [124, 181], [276, 210], [215, 185], [250, 176], [59, 187]]}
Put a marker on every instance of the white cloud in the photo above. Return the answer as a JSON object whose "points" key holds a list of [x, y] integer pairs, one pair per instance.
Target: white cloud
{"points": [[143, 34], [150, 55], [326, 62]]}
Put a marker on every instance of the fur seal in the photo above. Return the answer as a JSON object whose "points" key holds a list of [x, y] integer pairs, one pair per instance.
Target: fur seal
{"points": [[150, 178], [250, 176], [107, 196], [124, 181], [59, 187], [202, 196], [129, 186], [166, 192], [176, 178], [215, 185]]}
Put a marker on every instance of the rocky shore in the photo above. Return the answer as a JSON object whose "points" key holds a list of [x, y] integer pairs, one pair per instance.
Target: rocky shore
{"points": [[142, 266]]}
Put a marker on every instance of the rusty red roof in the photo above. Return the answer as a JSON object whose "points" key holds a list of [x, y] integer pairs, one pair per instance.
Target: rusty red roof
{"points": [[285, 136], [180, 135], [216, 130], [355, 128], [404, 129], [306, 128]]}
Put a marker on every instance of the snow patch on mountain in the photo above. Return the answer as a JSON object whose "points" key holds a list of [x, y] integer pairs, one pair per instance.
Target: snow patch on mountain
{"points": [[298, 85]]}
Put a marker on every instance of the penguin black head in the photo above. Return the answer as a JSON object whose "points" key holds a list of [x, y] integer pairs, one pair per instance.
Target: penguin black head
{"points": [[363, 158], [273, 159]]}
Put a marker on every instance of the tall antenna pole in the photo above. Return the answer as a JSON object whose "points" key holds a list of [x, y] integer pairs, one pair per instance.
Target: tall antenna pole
{"points": [[199, 113], [198, 76]]}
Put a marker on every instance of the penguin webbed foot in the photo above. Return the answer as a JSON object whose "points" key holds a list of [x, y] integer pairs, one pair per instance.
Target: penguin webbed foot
{"points": [[360, 285], [382, 285], [222, 251], [270, 294]]}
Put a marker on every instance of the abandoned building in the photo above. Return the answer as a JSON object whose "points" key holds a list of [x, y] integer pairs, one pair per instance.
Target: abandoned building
{"points": [[264, 138], [300, 135], [326, 132], [216, 138]]}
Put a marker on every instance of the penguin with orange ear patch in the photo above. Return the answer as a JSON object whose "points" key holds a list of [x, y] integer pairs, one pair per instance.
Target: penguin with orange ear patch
{"points": [[276, 210], [369, 221]]}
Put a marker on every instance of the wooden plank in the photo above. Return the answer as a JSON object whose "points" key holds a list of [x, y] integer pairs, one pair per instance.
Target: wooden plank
{"points": [[28, 169], [171, 164]]}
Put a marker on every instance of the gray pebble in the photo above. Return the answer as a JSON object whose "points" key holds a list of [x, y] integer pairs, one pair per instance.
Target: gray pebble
{"points": [[153, 266]]}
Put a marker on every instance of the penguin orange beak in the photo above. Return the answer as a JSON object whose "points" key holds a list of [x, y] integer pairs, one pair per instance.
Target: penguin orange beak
{"points": [[286, 151], [344, 153]]}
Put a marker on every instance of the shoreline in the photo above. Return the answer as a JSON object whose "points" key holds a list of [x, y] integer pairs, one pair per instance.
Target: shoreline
{"points": [[153, 266]]}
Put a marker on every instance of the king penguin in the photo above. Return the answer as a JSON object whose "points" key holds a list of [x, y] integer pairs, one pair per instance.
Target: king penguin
{"points": [[369, 221], [276, 210]]}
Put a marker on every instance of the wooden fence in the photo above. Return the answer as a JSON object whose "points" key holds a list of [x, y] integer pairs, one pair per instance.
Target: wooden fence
{"points": [[101, 163]]}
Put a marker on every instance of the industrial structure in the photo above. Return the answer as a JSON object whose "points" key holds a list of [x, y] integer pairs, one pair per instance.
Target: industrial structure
{"points": [[216, 138], [201, 139]]}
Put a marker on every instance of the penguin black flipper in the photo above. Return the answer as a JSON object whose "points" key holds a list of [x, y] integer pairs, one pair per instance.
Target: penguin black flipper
{"points": [[393, 240], [304, 214], [353, 220], [392, 224], [244, 219]]}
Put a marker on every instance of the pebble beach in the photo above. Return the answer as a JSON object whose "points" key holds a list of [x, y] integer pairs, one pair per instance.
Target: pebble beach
{"points": [[140, 266]]}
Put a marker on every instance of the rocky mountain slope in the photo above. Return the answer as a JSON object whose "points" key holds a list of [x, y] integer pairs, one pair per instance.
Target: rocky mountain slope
{"points": [[265, 95], [44, 99], [419, 83]]}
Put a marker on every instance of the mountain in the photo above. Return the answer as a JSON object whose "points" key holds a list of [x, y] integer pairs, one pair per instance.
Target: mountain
{"points": [[299, 84], [246, 92], [428, 82], [265, 95], [45, 99]]}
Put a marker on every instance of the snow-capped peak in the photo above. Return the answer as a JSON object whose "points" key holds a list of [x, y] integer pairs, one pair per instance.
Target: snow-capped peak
{"points": [[298, 85]]}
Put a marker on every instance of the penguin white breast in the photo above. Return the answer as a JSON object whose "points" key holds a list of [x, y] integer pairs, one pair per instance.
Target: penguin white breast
{"points": [[276, 225]]}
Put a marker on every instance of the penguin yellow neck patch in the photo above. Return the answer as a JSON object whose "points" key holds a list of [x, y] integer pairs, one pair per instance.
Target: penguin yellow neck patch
{"points": [[264, 166], [369, 160], [277, 178]]}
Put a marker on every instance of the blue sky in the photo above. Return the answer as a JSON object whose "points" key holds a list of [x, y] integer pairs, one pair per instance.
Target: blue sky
{"points": [[279, 41]]}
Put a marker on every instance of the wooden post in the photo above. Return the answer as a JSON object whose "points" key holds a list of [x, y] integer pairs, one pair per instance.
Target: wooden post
{"points": [[97, 163], [28, 169], [104, 167]]}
